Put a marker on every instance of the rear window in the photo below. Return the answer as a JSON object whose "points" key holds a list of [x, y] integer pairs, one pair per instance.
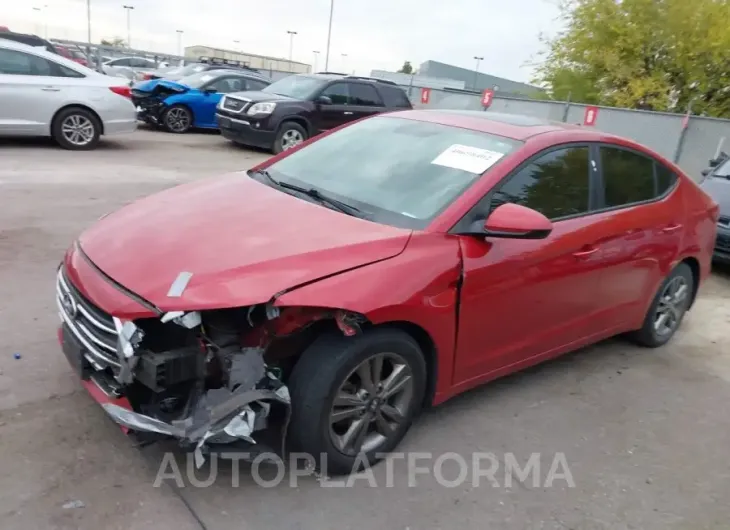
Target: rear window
{"points": [[394, 97]]}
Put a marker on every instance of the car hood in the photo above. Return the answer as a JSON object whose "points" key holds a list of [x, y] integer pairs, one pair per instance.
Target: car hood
{"points": [[242, 241], [719, 189], [258, 96], [152, 84]]}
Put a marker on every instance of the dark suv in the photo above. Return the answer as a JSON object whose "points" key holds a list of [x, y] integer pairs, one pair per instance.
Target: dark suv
{"points": [[297, 107]]}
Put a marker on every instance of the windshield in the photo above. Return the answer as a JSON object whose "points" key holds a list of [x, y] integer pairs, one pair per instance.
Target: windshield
{"points": [[197, 80], [398, 171], [723, 170], [295, 86], [188, 70]]}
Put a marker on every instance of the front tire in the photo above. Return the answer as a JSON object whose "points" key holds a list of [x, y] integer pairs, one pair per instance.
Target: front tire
{"points": [[354, 398], [668, 308], [177, 119], [290, 135], [76, 129]]}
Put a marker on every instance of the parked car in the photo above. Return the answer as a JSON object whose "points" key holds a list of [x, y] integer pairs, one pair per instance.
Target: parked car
{"points": [[190, 102], [716, 183], [30, 40], [178, 72], [390, 264], [44, 94], [297, 107], [139, 66]]}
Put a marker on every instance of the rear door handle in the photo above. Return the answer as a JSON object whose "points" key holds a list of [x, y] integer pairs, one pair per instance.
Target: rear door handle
{"points": [[671, 228], [51, 89], [347, 112], [585, 252]]}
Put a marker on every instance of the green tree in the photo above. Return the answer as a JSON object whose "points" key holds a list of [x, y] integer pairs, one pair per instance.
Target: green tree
{"points": [[651, 54], [407, 68]]}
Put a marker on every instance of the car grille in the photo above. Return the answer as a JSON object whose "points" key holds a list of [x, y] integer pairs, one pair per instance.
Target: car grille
{"points": [[722, 243], [94, 328], [234, 105]]}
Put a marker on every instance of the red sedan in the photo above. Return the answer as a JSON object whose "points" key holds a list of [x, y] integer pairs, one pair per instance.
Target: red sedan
{"points": [[382, 267]]}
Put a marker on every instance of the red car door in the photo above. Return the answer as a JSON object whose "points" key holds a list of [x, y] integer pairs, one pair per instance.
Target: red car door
{"points": [[644, 228], [523, 300]]}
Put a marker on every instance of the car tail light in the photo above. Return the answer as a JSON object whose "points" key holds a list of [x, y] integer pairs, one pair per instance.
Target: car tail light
{"points": [[122, 91]]}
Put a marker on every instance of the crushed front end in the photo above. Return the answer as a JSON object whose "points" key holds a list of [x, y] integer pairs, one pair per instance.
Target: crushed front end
{"points": [[149, 99], [200, 378]]}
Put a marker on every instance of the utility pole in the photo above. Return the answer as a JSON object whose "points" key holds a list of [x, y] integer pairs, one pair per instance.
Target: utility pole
{"points": [[291, 46], [179, 41], [316, 56], [329, 36], [344, 60], [38, 23], [476, 72], [129, 30]]}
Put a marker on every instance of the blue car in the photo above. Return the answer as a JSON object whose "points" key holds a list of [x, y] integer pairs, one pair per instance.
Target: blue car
{"points": [[190, 102]]}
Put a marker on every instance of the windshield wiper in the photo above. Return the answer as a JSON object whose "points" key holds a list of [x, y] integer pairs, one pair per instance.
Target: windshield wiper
{"points": [[315, 194]]}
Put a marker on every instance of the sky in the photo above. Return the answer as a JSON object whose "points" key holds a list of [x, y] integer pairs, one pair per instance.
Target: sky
{"points": [[366, 34]]}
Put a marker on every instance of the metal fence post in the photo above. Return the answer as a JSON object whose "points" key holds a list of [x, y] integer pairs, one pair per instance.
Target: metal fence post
{"points": [[567, 108], [683, 133]]}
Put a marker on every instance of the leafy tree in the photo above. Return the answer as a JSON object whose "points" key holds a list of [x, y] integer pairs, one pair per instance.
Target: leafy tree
{"points": [[116, 41], [407, 68], [650, 54]]}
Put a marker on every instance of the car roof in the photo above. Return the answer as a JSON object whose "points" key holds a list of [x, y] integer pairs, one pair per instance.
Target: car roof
{"points": [[234, 71], [515, 126], [42, 52]]}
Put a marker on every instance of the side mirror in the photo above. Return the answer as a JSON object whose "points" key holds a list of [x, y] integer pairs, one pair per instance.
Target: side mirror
{"points": [[513, 221], [714, 162], [706, 172], [324, 100], [209, 91]]}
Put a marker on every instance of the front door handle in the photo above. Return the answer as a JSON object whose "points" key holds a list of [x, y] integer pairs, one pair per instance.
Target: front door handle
{"points": [[585, 252], [51, 89], [671, 228], [348, 113]]}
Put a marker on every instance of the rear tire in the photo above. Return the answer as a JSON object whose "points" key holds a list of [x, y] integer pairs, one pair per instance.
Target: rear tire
{"points": [[76, 129], [668, 308], [326, 428], [290, 135]]}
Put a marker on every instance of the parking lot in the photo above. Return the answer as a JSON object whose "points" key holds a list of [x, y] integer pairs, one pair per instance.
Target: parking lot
{"points": [[645, 433]]}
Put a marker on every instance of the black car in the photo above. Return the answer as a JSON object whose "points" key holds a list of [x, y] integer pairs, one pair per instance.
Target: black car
{"points": [[30, 40], [297, 107], [716, 183]]}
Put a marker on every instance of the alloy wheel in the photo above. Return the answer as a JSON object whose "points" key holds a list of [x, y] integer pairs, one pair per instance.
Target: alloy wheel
{"points": [[177, 119], [671, 307], [77, 130], [371, 404], [291, 138]]}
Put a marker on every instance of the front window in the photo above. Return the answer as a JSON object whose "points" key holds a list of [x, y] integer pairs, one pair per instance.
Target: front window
{"points": [[396, 171], [296, 86]]}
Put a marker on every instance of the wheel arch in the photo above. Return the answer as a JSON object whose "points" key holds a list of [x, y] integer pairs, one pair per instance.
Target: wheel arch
{"points": [[694, 266], [77, 106], [299, 120]]}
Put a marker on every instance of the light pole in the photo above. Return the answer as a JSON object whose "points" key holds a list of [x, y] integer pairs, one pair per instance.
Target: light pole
{"points": [[237, 45], [291, 46], [476, 72], [129, 30], [179, 41], [316, 56], [38, 24], [329, 35], [88, 26], [344, 59]]}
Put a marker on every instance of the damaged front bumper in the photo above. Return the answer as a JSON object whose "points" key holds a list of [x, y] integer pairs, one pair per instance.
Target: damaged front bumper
{"points": [[200, 386]]}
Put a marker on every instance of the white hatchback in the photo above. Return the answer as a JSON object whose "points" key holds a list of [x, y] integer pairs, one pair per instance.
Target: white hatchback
{"points": [[44, 94]]}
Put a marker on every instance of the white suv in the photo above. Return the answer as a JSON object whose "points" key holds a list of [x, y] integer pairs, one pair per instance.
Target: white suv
{"points": [[43, 94]]}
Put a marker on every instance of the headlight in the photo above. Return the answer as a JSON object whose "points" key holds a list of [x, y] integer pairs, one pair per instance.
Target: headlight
{"points": [[261, 108], [220, 103]]}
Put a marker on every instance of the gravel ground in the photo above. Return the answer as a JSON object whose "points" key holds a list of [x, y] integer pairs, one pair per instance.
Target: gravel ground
{"points": [[645, 434]]}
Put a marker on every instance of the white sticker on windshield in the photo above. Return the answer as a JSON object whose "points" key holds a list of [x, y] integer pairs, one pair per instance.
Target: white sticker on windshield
{"points": [[466, 158]]}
